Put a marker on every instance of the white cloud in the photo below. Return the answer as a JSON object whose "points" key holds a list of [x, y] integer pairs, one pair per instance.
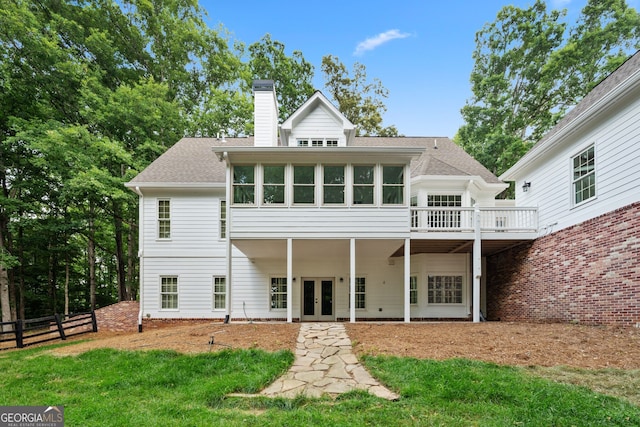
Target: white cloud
{"points": [[375, 41]]}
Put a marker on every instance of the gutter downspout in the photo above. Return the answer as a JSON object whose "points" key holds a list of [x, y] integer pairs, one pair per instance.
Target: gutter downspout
{"points": [[140, 253]]}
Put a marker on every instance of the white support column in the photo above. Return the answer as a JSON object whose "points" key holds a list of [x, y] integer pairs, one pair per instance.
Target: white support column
{"points": [[352, 280], [477, 264], [407, 280], [229, 248], [289, 280]]}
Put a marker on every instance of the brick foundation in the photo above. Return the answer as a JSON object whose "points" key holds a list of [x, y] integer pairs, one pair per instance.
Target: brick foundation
{"points": [[119, 317], [588, 273]]}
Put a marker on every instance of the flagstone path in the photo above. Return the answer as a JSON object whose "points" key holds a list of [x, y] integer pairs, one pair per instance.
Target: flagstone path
{"points": [[325, 365]]}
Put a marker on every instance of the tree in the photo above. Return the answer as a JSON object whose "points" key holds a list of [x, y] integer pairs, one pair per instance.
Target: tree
{"points": [[360, 101], [530, 68]]}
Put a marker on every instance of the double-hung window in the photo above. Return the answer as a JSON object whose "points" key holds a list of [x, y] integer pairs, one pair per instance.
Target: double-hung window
{"points": [[223, 219], [333, 189], [363, 184], [219, 293], [304, 185], [444, 218], [273, 184], [278, 293], [584, 176], [361, 288], [244, 184], [413, 290], [392, 185], [444, 289], [169, 292], [164, 219]]}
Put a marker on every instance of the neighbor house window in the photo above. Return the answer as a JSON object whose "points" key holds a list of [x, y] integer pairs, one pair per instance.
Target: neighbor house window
{"points": [[317, 142], [244, 188], [444, 289], [584, 176], [444, 218], [393, 185], [332, 142], [273, 184], [304, 184], [363, 185], [223, 219], [303, 142], [360, 293], [219, 293], [169, 292], [164, 219], [413, 290], [333, 190], [278, 293]]}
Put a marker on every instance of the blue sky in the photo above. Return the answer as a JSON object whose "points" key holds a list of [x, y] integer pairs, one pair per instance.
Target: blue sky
{"points": [[419, 49]]}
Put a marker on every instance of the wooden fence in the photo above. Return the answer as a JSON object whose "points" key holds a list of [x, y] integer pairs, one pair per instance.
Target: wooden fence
{"points": [[57, 327]]}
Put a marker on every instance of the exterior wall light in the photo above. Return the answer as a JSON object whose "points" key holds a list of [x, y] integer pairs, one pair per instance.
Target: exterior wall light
{"points": [[526, 186]]}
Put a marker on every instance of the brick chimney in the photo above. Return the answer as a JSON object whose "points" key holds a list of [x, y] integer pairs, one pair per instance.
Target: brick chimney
{"points": [[265, 114]]}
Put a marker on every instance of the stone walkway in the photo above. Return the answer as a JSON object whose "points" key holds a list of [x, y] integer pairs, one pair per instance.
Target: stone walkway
{"points": [[325, 365]]}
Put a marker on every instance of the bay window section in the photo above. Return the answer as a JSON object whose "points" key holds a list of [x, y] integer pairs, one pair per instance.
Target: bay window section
{"points": [[304, 185], [392, 185], [444, 289], [244, 189], [273, 184], [333, 189], [363, 185]]}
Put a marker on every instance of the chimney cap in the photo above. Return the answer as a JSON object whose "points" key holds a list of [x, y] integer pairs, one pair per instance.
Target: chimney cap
{"points": [[263, 85]]}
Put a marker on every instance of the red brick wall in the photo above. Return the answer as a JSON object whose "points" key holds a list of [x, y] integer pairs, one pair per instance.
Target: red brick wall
{"points": [[120, 317], [588, 273]]}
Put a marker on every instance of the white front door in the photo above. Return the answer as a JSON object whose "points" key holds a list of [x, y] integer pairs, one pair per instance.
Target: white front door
{"points": [[317, 300]]}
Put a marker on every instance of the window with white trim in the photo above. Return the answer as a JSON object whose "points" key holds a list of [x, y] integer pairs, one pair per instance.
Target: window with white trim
{"points": [[223, 219], [361, 288], [444, 218], [302, 142], [584, 176], [317, 142], [332, 142], [363, 184], [169, 292], [219, 292], [333, 188], [244, 184], [304, 185], [392, 185], [273, 184], [444, 289], [414, 213], [278, 293], [413, 290], [164, 219]]}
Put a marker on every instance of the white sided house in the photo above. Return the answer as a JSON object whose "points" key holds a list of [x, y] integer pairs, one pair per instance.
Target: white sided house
{"points": [[307, 222], [584, 177]]}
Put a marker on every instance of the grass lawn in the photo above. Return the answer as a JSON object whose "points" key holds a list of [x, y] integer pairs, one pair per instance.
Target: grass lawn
{"points": [[163, 388]]}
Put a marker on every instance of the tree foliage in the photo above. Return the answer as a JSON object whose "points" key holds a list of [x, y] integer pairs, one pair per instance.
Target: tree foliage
{"points": [[359, 100], [531, 67]]}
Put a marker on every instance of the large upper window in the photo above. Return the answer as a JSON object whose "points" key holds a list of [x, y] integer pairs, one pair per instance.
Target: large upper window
{"points": [[333, 189], [278, 293], [363, 185], [393, 185], [444, 289], [304, 185], [244, 184], [584, 176], [273, 184], [169, 292]]}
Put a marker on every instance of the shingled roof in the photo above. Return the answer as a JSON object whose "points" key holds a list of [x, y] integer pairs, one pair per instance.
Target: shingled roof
{"points": [[192, 160]]}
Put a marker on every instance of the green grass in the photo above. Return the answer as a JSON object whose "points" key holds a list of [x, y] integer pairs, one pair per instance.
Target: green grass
{"points": [[162, 388]]}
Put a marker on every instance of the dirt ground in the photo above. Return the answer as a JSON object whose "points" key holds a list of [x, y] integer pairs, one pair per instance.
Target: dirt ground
{"points": [[498, 342]]}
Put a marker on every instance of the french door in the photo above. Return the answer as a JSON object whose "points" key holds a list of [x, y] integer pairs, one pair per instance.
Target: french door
{"points": [[317, 300]]}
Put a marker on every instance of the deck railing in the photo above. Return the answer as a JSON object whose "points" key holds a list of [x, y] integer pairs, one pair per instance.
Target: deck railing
{"points": [[459, 219]]}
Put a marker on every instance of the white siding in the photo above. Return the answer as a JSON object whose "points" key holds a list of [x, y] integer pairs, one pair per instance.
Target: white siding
{"points": [[319, 222], [265, 119], [195, 230], [318, 124], [616, 138]]}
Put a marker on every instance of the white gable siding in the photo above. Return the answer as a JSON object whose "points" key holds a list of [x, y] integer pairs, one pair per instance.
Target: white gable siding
{"points": [[319, 123], [617, 154]]}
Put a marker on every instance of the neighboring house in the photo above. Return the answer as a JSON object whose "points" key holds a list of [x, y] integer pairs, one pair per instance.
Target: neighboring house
{"points": [[308, 222], [584, 177]]}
